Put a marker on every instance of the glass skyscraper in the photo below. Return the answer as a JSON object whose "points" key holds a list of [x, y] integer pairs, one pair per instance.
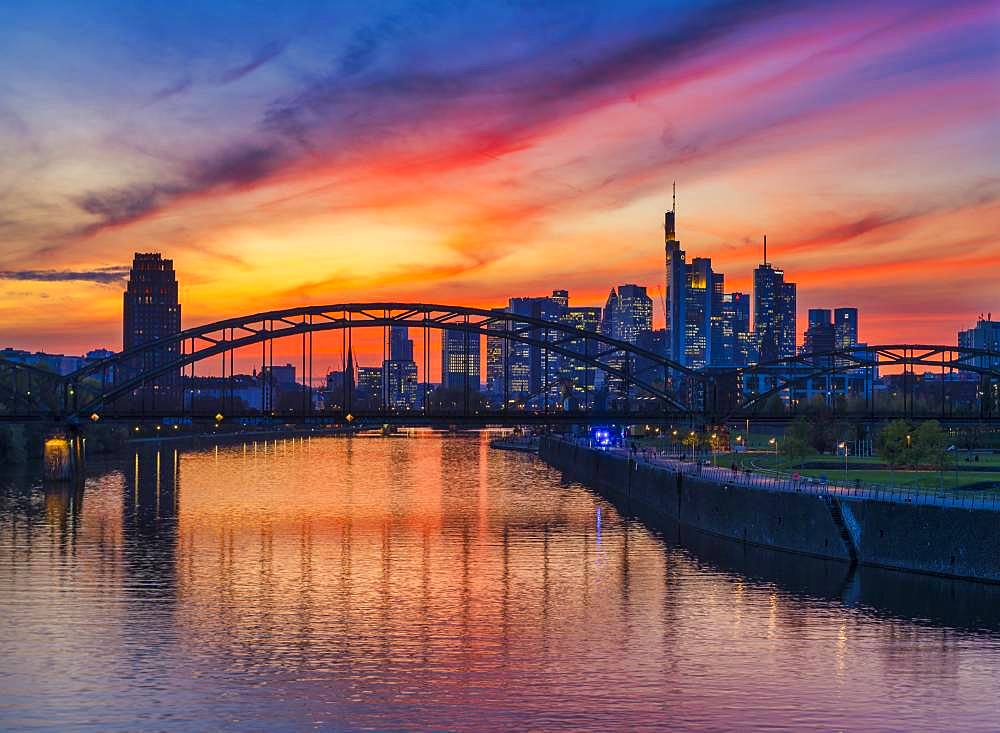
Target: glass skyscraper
{"points": [[774, 305]]}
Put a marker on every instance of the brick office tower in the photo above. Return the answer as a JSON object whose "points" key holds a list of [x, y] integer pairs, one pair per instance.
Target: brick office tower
{"points": [[151, 312]]}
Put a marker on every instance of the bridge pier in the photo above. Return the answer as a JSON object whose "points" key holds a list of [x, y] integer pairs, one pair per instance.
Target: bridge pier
{"points": [[63, 456]]}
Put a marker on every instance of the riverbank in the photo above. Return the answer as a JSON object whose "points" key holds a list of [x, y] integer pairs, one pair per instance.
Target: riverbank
{"points": [[917, 534]]}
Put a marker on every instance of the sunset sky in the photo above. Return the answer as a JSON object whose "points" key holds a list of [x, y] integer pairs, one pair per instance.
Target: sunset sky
{"points": [[465, 152]]}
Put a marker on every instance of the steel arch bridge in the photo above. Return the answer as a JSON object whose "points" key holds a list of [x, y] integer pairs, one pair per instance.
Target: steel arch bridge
{"points": [[149, 380], [914, 396], [27, 390], [158, 379]]}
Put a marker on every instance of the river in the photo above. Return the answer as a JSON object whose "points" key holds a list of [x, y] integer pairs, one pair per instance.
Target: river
{"points": [[427, 582]]}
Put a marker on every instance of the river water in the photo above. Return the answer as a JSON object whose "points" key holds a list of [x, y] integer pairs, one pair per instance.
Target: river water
{"points": [[431, 583]]}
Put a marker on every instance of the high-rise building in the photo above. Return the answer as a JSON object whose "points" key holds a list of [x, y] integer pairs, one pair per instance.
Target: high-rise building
{"points": [[698, 324], [399, 371], [460, 360], [627, 316], [633, 313], [151, 311], [845, 327], [540, 366], [400, 344], [370, 385], [774, 305], [735, 347], [561, 297], [984, 336], [676, 288], [695, 332], [819, 336], [581, 375]]}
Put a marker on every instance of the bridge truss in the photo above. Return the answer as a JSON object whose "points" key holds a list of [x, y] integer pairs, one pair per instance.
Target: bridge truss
{"points": [[584, 375], [153, 380]]}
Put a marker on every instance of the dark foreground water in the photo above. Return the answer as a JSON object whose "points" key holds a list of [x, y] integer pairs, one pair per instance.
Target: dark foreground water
{"points": [[430, 583]]}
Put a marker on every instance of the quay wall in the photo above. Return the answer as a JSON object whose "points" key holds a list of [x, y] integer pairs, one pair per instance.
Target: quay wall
{"points": [[940, 540]]}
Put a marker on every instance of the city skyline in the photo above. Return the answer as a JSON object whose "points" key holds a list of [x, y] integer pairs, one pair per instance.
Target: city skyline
{"points": [[328, 157]]}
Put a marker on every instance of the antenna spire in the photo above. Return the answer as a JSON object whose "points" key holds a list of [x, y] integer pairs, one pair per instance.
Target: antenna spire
{"points": [[765, 249], [673, 206]]}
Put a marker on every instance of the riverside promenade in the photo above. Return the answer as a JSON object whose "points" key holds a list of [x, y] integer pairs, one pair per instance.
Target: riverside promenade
{"points": [[772, 481], [939, 533]]}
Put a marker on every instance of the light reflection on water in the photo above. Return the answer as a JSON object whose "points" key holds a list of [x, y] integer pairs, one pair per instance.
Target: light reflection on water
{"points": [[429, 583]]}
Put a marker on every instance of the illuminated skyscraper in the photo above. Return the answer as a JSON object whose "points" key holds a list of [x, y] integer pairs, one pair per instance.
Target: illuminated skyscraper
{"points": [[736, 344], [399, 371], [774, 305], [845, 326], [581, 375], [460, 360], [676, 287], [633, 315], [698, 322]]}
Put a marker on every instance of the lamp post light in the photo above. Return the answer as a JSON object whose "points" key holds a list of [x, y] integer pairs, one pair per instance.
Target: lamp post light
{"points": [[774, 442], [694, 444], [843, 446]]}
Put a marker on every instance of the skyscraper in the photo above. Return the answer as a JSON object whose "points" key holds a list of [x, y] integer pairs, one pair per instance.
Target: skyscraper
{"points": [[698, 325], [984, 336], [151, 311], [819, 336], [460, 360], [399, 371], [676, 287], [736, 346], [400, 344], [633, 313], [774, 305], [845, 326], [581, 375]]}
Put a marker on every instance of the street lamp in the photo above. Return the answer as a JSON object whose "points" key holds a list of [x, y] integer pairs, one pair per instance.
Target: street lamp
{"points": [[714, 436], [843, 446], [774, 442]]}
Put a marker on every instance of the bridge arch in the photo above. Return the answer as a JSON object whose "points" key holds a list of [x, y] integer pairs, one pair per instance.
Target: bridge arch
{"points": [[791, 372], [30, 390], [226, 336]]}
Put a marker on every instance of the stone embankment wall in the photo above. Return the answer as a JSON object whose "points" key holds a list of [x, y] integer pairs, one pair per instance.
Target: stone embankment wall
{"points": [[949, 541]]}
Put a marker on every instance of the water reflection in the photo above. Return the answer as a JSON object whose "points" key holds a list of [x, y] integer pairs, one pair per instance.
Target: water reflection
{"points": [[429, 583]]}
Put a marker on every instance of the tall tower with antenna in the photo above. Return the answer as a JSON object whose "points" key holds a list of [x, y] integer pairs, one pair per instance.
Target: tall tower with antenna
{"points": [[676, 284]]}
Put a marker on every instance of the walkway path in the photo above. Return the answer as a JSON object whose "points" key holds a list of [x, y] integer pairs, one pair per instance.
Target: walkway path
{"points": [[804, 484]]}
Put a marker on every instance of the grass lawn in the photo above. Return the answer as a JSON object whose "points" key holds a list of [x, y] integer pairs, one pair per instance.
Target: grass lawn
{"points": [[977, 479]]}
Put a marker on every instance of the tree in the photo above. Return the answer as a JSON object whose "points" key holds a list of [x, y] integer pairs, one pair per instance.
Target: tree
{"points": [[893, 444], [797, 443], [930, 446], [971, 437]]}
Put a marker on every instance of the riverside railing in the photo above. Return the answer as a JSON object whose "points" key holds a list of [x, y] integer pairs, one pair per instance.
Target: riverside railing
{"points": [[769, 480]]}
